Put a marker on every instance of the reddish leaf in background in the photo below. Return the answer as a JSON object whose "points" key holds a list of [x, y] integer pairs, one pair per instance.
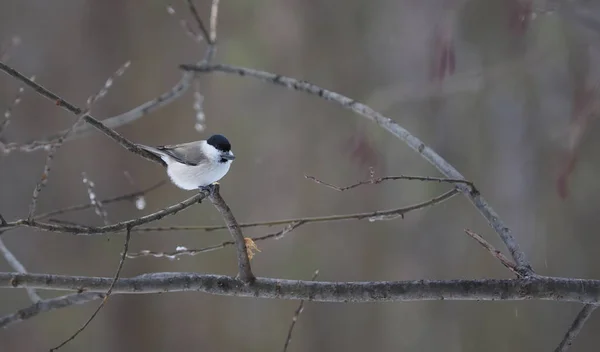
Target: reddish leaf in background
{"points": [[584, 107], [520, 12], [444, 57], [361, 151]]}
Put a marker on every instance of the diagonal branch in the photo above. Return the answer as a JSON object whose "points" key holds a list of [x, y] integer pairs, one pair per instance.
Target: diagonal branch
{"points": [[494, 252], [199, 21], [92, 230], [295, 317], [47, 167], [16, 265], [112, 285], [125, 197], [47, 305], [388, 124], [244, 269], [576, 327], [77, 111]]}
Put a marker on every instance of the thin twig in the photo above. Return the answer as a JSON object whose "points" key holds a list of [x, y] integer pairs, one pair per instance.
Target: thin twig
{"points": [[356, 216], [292, 225], [374, 181], [16, 265], [184, 25], [125, 197], [199, 22], [401, 133], [496, 253], [184, 251], [106, 296], [47, 305], [576, 327], [108, 125], [296, 315], [90, 230], [106, 129], [93, 230], [244, 268], [48, 165]]}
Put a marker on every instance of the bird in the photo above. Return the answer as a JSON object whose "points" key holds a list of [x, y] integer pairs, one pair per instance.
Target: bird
{"points": [[195, 165]]}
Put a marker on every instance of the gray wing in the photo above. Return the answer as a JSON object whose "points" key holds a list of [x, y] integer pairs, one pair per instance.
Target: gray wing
{"points": [[186, 153]]}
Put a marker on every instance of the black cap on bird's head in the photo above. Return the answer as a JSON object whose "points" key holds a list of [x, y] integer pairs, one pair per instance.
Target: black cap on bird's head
{"points": [[219, 142]]}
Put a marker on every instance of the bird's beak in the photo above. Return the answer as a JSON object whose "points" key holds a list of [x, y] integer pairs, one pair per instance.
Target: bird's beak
{"points": [[228, 156]]}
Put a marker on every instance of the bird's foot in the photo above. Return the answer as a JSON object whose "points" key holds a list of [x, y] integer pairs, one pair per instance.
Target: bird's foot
{"points": [[209, 188]]}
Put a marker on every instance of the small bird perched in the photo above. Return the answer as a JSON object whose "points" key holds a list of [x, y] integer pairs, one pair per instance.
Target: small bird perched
{"points": [[197, 164]]}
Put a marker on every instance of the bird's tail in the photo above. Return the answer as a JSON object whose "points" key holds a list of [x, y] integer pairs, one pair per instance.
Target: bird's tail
{"points": [[154, 151]]}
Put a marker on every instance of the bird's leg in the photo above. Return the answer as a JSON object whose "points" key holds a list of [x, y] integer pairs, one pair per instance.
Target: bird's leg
{"points": [[210, 188]]}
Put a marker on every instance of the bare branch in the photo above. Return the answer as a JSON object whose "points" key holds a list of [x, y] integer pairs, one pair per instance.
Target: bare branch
{"points": [[540, 288], [496, 253], [375, 181], [48, 305], [16, 265], [126, 197], [185, 25], [47, 167], [199, 22], [108, 125], [184, 251], [92, 230], [296, 315], [388, 124], [244, 269], [292, 225], [112, 285], [75, 110], [398, 212], [576, 327]]}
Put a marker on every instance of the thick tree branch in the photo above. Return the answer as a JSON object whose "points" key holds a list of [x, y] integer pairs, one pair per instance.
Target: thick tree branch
{"points": [[388, 124], [541, 288], [244, 268], [576, 327]]}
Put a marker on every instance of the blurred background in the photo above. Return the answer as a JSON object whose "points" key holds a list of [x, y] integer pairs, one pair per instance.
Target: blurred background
{"points": [[504, 90]]}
